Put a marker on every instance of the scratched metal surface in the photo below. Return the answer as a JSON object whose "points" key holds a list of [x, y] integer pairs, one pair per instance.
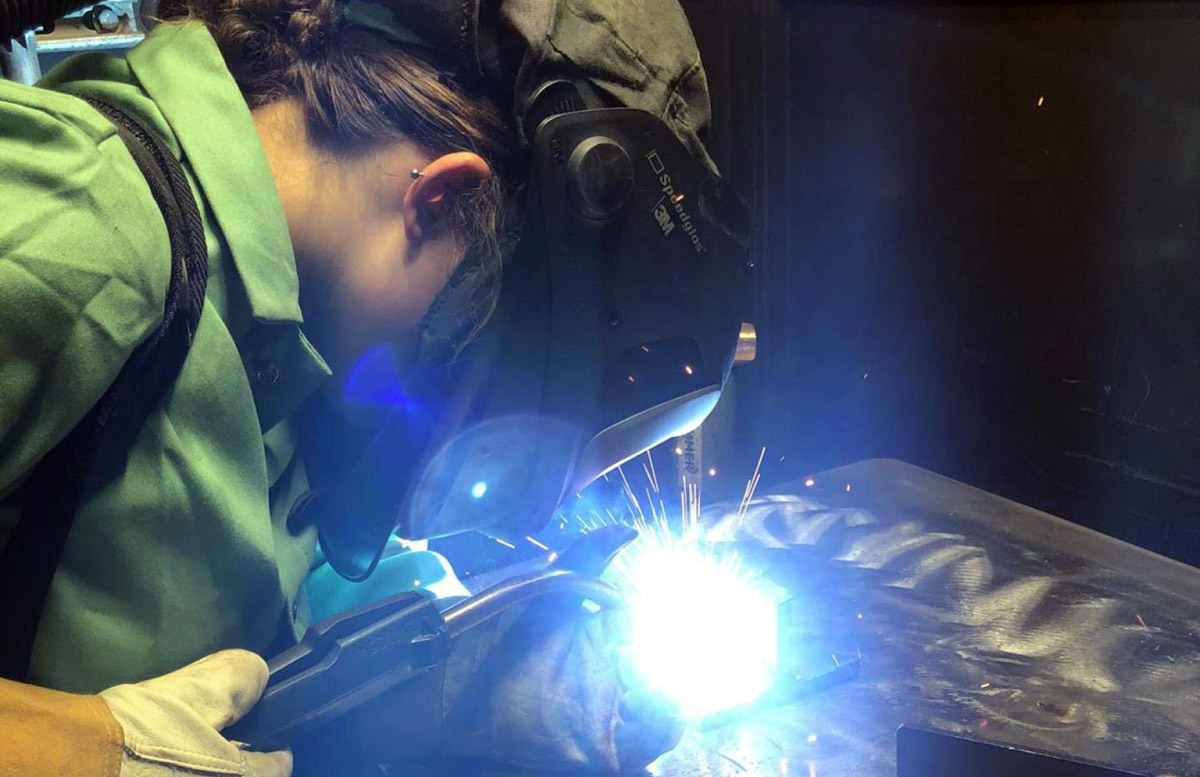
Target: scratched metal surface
{"points": [[978, 615]]}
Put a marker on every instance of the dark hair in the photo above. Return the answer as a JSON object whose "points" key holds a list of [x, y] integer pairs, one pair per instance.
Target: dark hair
{"points": [[358, 89]]}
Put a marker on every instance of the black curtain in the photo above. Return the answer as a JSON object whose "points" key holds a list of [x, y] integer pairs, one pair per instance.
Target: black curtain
{"points": [[978, 240]]}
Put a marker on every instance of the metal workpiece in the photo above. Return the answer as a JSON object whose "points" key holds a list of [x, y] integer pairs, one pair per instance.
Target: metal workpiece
{"points": [[111, 26], [20, 61], [108, 26], [972, 614], [102, 18], [747, 345], [79, 44]]}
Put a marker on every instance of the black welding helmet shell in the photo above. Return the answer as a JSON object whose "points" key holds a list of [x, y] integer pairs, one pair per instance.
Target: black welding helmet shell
{"points": [[616, 329]]}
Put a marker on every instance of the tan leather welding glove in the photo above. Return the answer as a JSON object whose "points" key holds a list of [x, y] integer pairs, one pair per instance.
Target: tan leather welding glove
{"points": [[172, 724]]}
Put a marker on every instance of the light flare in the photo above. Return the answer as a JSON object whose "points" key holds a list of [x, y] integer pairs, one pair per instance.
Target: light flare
{"points": [[702, 630]]}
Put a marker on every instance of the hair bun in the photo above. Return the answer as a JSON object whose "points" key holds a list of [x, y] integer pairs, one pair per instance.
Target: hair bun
{"points": [[279, 32], [310, 25]]}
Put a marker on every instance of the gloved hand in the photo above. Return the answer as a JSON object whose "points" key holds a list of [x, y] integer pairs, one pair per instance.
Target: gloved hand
{"points": [[540, 688], [172, 723]]}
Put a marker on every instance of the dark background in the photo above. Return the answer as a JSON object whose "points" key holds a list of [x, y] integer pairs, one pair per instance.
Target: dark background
{"points": [[955, 275]]}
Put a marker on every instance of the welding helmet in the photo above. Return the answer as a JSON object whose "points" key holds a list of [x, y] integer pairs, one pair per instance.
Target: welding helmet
{"points": [[621, 304]]}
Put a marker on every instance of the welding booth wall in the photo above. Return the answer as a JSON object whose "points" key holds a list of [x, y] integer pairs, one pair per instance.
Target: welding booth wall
{"points": [[978, 239]]}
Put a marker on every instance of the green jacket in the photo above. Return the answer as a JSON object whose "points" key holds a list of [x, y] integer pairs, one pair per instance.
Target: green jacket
{"points": [[190, 550]]}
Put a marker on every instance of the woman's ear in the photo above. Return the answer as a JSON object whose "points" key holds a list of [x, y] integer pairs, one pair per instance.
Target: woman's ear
{"points": [[428, 199]]}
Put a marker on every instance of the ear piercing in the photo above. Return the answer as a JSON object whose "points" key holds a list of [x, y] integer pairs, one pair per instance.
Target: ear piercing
{"points": [[416, 174]]}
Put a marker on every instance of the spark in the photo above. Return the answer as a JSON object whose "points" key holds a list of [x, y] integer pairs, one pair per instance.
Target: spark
{"points": [[847, 488], [985, 686], [812, 769], [1142, 621], [1041, 100], [809, 482], [646, 348], [740, 768], [632, 379], [651, 475], [811, 739], [783, 767], [552, 558], [633, 500], [689, 369], [417, 583], [751, 485], [678, 198], [536, 544], [703, 630], [703, 633], [678, 451], [712, 472], [508, 545]]}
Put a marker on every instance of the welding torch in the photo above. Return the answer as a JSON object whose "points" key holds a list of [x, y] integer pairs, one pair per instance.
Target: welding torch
{"points": [[393, 653]]}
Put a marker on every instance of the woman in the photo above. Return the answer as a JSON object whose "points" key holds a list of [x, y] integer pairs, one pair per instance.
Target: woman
{"points": [[338, 174]]}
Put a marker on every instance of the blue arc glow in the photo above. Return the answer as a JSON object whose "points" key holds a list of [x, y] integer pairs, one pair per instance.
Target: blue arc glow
{"points": [[703, 634]]}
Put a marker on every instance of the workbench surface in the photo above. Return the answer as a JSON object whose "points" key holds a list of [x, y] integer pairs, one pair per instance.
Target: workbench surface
{"points": [[972, 614]]}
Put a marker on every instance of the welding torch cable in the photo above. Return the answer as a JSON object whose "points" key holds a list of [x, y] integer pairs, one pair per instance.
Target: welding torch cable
{"points": [[470, 613]]}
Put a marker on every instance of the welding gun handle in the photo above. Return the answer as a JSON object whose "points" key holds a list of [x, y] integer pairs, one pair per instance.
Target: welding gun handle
{"points": [[495, 601], [591, 554], [342, 664]]}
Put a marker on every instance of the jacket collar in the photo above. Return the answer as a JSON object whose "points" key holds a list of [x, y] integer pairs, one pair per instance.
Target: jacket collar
{"points": [[180, 67], [212, 123]]}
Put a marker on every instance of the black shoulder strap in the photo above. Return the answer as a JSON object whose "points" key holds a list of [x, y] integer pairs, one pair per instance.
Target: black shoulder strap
{"points": [[97, 449]]}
